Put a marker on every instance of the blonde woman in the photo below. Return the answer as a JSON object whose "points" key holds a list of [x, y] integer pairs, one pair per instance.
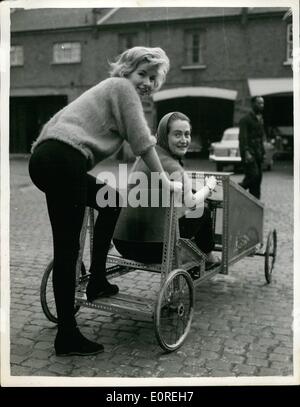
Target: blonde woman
{"points": [[78, 137]]}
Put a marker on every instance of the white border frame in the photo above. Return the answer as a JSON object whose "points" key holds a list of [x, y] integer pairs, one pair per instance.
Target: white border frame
{"points": [[7, 379]]}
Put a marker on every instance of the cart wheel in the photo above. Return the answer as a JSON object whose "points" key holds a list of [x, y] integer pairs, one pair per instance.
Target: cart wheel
{"points": [[174, 310], [47, 296], [270, 254]]}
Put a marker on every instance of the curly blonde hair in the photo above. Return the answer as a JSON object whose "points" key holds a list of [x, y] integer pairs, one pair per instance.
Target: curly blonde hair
{"points": [[129, 60]]}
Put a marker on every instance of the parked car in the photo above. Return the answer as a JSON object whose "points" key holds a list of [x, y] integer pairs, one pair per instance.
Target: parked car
{"points": [[284, 140], [195, 146], [227, 152]]}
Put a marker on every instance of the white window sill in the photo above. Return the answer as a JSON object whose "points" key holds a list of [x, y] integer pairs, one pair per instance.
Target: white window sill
{"points": [[192, 67], [287, 63]]}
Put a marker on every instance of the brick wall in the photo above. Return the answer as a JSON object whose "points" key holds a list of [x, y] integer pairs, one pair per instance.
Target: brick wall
{"points": [[232, 53]]}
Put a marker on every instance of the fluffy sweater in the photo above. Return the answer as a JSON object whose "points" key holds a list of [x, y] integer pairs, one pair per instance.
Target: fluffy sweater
{"points": [[98, 121]]}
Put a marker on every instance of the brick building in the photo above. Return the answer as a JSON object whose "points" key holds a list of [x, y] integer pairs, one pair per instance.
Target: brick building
{"points": [[219, 58]]}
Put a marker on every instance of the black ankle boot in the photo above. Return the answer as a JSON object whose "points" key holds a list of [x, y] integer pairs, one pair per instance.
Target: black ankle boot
{"points": [[72, 342], [102, 289]]}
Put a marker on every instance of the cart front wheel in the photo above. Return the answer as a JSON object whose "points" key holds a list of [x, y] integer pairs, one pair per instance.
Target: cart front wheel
{"points": [[270, 255], [174, 310], [47, 295]]}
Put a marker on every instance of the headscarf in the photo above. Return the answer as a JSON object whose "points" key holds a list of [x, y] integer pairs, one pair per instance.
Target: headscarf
{"points": [[162, 134]]}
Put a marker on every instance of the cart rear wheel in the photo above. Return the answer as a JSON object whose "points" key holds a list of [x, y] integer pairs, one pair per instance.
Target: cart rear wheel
{"points": [[174, 310], [47, 295], [270, 255]]}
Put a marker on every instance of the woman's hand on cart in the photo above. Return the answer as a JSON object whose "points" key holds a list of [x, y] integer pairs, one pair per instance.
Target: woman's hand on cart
{"points": [[176, 187], [211, 183]]}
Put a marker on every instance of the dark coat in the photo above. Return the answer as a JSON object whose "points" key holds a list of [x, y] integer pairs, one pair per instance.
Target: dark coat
{"points": [[251, 136], [146, 224]]}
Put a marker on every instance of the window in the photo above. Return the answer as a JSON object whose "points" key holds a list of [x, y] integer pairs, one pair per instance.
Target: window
{"points": [[289, 43], [126, 41], [193, 48], [67, 53], [16, 55]]}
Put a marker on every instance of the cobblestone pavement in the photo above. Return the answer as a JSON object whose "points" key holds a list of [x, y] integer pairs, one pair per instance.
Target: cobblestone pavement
{"points": [[241, 326]]}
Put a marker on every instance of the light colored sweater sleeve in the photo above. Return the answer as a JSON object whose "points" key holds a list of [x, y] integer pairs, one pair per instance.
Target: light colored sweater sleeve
{"points": [[128, 111], [99, 120]]}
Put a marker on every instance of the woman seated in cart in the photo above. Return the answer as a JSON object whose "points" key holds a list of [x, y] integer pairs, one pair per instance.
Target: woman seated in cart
{"points": [[139, 232]]}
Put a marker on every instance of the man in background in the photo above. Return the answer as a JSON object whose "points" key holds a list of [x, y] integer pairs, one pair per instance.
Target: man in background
{"points": [[251, 139]]}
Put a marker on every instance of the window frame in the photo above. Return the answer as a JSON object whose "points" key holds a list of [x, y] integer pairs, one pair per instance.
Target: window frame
{"points": [[193, 49], [17, 55], [64, 59]]}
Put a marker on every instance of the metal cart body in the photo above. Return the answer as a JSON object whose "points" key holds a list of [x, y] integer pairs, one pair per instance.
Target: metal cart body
{"points": [[238, 230]]}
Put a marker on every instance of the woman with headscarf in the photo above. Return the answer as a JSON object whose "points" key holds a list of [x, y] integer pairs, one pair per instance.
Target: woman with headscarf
{"points": [[139, 231]]}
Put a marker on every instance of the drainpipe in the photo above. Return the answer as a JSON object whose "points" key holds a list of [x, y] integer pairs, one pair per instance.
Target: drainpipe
{"points": [[96, 12], [244, 15], [148, 34], [243, 104]]}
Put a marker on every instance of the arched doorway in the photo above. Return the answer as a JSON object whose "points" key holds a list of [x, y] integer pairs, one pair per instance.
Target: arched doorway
{"points": [[27, 116], [210, 110], [278, 111]]}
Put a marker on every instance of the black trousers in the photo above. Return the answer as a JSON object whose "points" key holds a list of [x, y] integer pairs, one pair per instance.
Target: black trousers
{"points": [[60, 171], [253, 176], [151, 252]]}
